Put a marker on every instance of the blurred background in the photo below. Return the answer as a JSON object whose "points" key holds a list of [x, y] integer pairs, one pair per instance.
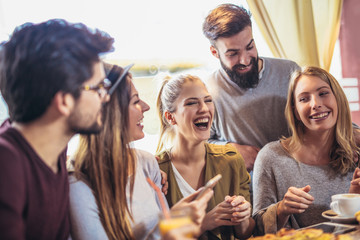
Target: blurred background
{"points": [[165, 37]]}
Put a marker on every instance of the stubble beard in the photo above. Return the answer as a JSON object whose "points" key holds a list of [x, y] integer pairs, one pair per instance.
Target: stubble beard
{"points": [[75, 125]]}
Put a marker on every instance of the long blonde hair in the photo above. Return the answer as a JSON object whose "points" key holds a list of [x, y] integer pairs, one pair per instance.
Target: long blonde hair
{"points": [[104, 161], [170, 90], [344, 148]]}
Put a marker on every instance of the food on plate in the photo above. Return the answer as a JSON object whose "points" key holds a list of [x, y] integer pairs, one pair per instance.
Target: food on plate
{"points": [[302, 234]]}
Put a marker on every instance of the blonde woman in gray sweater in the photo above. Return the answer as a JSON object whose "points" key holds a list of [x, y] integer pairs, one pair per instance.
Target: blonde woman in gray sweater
{"points": [[295, 177]]}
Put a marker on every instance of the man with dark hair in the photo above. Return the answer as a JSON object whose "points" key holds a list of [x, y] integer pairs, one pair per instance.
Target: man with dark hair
{"points": [[54, 83], [249, 91]]}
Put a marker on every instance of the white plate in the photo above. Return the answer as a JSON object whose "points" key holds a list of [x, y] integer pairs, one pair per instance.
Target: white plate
{"points": [[334, 217]]}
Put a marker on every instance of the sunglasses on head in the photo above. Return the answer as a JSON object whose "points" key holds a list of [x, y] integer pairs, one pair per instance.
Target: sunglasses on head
{"points": [[115, 77]]}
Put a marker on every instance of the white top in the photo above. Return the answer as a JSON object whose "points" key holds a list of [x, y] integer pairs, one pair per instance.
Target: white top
{"points": [[185, 188]]}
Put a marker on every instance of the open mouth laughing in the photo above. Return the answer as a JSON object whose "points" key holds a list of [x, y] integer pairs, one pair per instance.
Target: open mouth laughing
{"points": [[202, 123]]}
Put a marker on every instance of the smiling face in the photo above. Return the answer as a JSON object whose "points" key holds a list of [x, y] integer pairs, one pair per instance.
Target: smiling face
{"points": [[239, 58], [194, 112], [315, 104], [136, 109]]}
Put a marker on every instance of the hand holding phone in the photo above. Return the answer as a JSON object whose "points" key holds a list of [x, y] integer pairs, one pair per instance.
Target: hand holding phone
{"points": [[210, 184]]}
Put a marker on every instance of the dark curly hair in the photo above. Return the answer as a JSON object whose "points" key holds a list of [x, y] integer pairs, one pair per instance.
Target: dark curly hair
{"points": [[42, 59]]}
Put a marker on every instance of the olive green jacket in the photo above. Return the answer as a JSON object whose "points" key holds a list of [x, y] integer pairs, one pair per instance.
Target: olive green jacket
{"points": [[223, 159]]}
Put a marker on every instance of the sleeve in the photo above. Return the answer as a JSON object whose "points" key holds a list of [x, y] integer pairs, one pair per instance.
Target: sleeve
{"points": [[264, 192], [84, 215], [214, 138], [152, 169], [245, 178], [155, 172], [12, 195], [214, 135]]}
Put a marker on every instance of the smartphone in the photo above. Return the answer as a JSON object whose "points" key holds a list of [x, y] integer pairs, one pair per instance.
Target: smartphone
{"points": [[335, 228], [210, 184]]}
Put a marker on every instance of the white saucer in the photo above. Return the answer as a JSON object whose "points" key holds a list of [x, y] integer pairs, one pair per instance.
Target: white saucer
{"points": [[334, 217]]}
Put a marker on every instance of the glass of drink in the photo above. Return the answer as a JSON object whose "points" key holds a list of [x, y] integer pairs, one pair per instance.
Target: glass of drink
{"points": [[178, 218]]}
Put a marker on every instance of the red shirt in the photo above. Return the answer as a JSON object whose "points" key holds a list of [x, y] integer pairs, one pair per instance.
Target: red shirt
{"points": [[34, 201]]}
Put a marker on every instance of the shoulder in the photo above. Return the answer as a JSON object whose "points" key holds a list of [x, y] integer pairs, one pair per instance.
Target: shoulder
{"points": [[80, 194], [223, 153], [214, 80], [280, 62], [79, 188], [210, 78], [143, 155], [273, 148], [146, 160], [164, 161], [216, 149], [278, 66], [163, 158], [8, 149], [270, 152], [11, 156]]}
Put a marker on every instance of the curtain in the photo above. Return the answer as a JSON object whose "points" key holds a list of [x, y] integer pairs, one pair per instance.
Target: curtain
{"points": [[304, 31]]}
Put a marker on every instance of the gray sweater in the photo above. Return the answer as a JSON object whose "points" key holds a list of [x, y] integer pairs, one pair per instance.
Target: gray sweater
{"points": [[275, 171], [254, 116], [84, 213]]}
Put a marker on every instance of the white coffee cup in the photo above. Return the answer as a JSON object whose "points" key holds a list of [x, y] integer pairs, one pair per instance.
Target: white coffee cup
{"points": [[346, 204]]}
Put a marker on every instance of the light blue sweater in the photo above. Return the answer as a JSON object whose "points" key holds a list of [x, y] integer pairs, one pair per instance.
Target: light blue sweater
{"points": [[84, 213]]}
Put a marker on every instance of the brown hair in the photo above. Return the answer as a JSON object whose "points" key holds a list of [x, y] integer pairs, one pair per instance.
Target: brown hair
{"points": [[344, 147], [104, 162], [226, 20]]}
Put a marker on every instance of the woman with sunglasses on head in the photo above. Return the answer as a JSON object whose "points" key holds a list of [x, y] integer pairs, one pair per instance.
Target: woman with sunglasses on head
{"points": [[110, 197], [186, 111], [295, 177]]}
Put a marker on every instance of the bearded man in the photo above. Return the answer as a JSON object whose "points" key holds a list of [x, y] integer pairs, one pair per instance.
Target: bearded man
{"points": [[249, 91]]}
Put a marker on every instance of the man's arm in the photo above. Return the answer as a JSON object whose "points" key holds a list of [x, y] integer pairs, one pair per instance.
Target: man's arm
{"points": [[248, 153], [214, 137]]}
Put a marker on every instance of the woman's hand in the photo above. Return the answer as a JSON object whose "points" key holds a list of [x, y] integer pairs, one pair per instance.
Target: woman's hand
{"points": [[355, 183], [296, 200], [242, 208], [197, 206], [164, 182], [232, 211]]}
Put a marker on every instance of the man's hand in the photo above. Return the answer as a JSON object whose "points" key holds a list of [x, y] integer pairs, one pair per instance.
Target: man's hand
{"points": [[248, 153]]}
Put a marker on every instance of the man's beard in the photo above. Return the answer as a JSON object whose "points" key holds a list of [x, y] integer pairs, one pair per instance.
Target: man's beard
{"points": [[76, 124], [246, 80], [93, 129]]}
